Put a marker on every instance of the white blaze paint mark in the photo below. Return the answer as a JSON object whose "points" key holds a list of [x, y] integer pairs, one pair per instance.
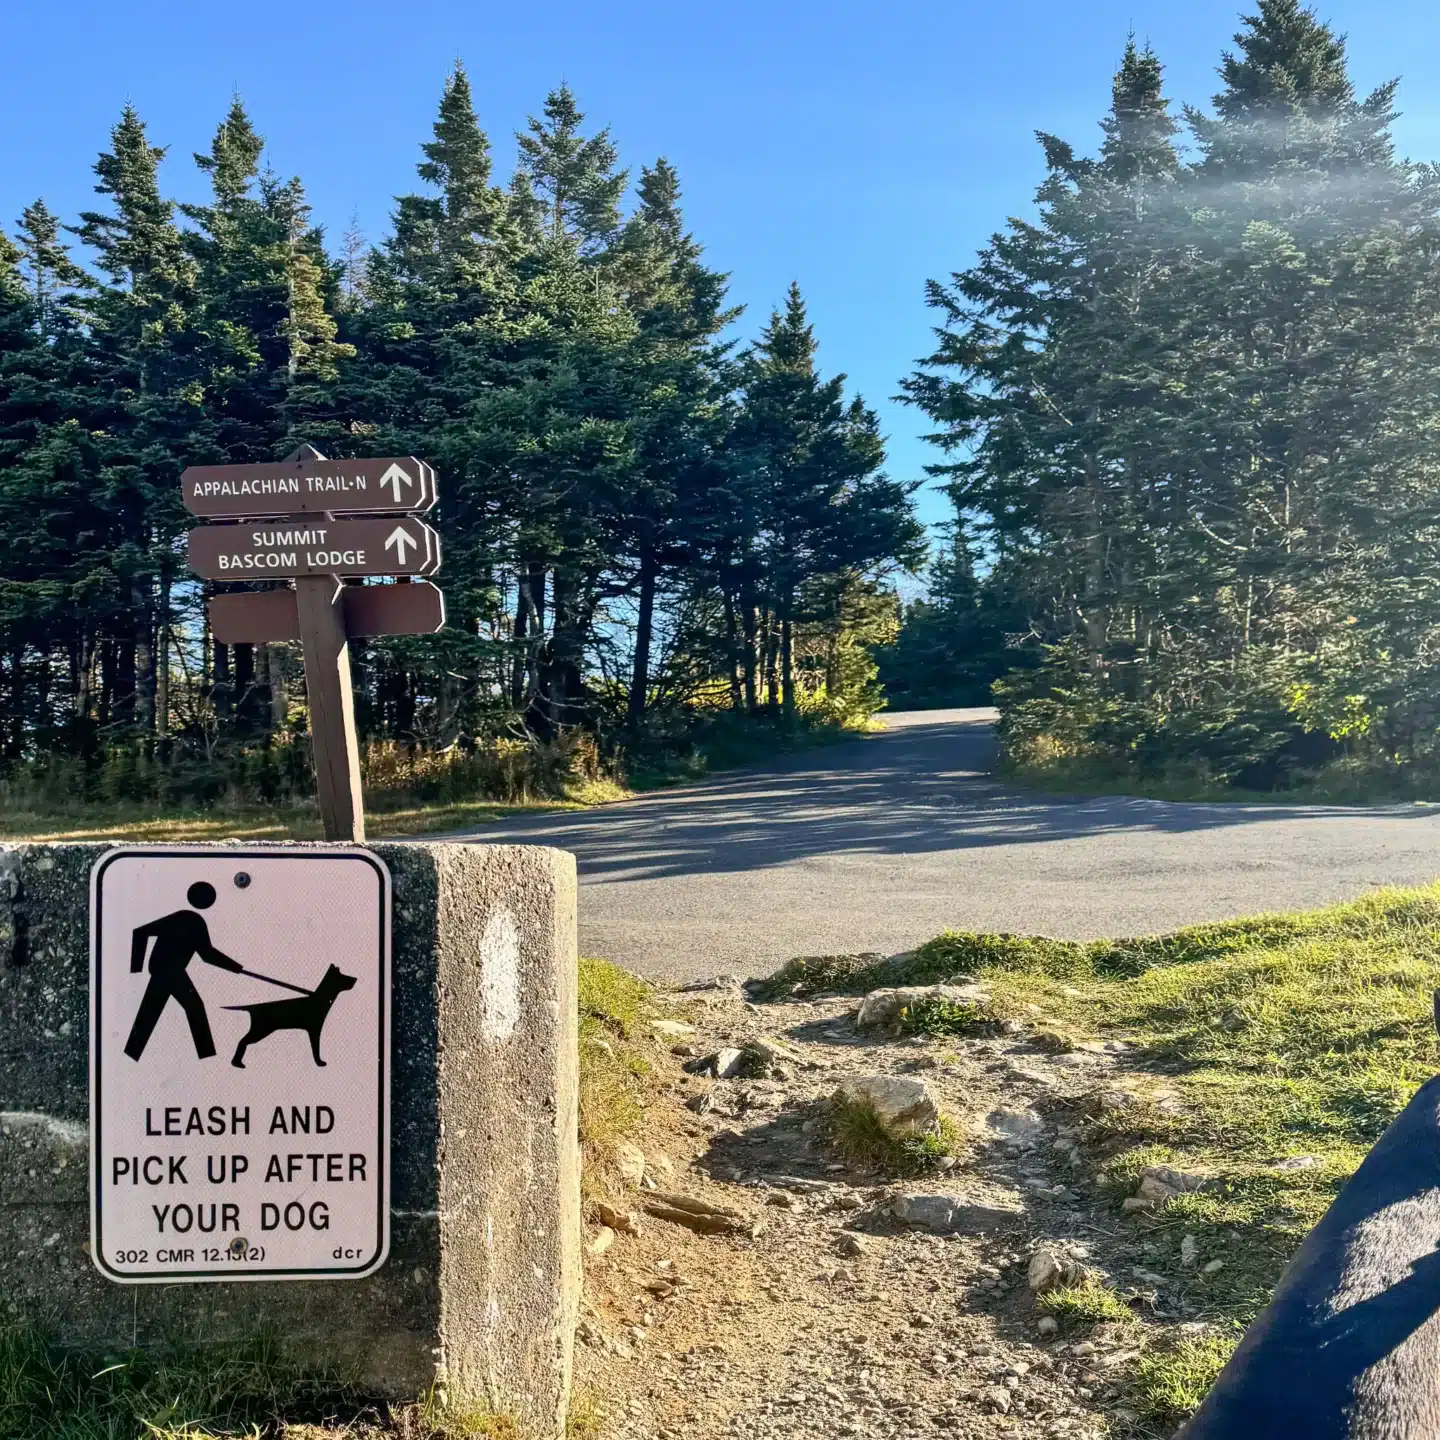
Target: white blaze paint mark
{"points": [[500, 975]]}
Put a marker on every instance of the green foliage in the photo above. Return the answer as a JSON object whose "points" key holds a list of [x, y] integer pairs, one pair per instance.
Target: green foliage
{"points": [[1171, 1380], [640, 529], [1185, 411], [614, 1071], [1078, 1307], [862, 1140], [51, 1393], [934, 1015]]}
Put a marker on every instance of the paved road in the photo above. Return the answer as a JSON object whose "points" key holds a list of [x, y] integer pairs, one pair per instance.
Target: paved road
{"points": [[882, 842]]}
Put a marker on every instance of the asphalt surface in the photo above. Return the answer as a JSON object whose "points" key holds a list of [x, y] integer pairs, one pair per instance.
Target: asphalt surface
{"points": [[882, 842]]}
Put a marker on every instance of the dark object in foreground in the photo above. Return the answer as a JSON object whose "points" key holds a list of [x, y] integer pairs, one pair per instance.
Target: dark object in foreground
{"points": [[1350, 1345]]}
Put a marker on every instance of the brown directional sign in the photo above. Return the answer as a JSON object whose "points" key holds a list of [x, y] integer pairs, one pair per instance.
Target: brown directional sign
{"points": [[392, 485], [303, 547], [266, 617]]}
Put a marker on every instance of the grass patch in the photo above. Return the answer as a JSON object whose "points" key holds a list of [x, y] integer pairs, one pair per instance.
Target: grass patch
{"points": [[1171, 1380], [863, 1141], [934, 1015], [1252, 1042], [47, 1391], [1343, 782], [614, 1071], [300, 821], [1078, 1307]]}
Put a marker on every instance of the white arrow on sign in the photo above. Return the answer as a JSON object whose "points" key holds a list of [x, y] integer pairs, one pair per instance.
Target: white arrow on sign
{"points": [[394, 477], [398, 540]]}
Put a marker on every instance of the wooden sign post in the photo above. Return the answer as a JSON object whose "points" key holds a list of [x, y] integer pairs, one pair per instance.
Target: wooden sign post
{"points": [[307, 543]]}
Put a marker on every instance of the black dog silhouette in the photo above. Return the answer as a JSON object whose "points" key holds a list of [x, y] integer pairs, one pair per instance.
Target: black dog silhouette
{"points": [[306, 1012]]}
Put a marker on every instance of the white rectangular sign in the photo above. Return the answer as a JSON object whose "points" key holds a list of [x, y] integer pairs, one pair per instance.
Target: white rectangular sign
{"points": [[239, 1063]]}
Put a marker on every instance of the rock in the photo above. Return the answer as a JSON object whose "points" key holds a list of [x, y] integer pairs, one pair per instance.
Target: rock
{"points": [[1189, 1250], [1050, 1267], [885, 1007], [956, 1214], [902, 1104], [1132, 1203], [996, 1397], [671, 1029], [726, 1063], [1107, 1102], [658, 1169], [630, 1162], [783, 1200], [625, 1221], [698, 1215], [764, 1053], [1016, 1127], [1297, 1162], [1181, 1182], [1212, 1267], [1047, 1325], [603, 1239], [851, 1244]]}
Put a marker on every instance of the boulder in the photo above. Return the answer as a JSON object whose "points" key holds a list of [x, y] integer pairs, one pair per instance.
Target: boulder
{"points": [[902, 1103], [671, 1029]]}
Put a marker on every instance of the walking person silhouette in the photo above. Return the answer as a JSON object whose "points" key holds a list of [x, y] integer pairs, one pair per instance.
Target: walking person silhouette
{"points": [[178, 938]]}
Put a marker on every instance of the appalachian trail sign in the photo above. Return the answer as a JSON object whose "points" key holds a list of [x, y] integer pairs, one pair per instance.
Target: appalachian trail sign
{"points": [[239, 1076], [300, 498]]}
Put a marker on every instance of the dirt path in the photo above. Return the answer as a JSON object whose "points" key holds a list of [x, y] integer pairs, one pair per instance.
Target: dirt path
{"points": [[835, 1319]]}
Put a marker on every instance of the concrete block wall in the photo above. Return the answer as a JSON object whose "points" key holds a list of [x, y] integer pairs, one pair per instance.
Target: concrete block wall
{"points": [[481, 1289]]}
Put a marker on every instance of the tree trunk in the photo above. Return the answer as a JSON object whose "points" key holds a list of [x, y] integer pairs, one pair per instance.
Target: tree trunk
{"points": [[772, 663], [562, 681], [752, 626], [644, 632], [144, 662], [787, 668], [732, 650], [223, 683], [279, 692], [243, 659], [162, 665]]}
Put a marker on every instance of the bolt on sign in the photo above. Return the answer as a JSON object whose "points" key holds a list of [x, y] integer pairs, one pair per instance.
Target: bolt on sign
{"points": [[239, 1078]]}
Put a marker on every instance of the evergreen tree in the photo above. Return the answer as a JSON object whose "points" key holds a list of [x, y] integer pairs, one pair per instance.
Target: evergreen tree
{"points": [[813, 499]]}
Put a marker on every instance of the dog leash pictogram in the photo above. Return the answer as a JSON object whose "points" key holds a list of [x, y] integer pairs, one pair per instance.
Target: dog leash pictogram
{"points": [[271, 980]]}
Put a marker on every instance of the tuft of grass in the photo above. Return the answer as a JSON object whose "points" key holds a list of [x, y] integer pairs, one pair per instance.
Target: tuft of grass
{"points": [[863, 1141], [935, 1015], [810, 974], [1171, 1380], [1090, 1302]]}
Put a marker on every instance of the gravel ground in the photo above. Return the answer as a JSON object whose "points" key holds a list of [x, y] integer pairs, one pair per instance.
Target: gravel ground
{"points": [[834, 1318]]}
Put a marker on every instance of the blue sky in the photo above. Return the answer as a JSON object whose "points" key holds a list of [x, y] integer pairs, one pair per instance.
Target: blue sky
{"points": [[857, 147]]}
